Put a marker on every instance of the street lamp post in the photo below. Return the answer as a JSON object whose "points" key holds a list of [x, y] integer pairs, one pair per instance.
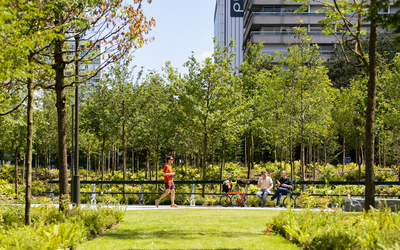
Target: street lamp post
{"points": [[76, 179]]}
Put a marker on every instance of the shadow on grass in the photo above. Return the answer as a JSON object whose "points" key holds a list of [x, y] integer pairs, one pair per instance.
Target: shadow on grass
{"points": [[173, 234]]}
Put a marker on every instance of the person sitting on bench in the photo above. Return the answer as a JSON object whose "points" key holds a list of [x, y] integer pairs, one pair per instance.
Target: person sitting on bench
{"points": [[285, 184], [265, 182]]}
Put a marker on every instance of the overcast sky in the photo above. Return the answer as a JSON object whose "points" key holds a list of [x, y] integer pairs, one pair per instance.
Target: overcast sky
{"points": [[182, 26]]}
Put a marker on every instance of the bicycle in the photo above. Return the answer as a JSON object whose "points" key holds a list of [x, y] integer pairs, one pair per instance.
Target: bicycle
{"points": [[292, 198], [234, 198], [296, 198]]}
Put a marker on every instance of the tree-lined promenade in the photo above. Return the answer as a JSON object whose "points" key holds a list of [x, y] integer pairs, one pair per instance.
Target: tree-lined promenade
{"points": [[282, 107]]}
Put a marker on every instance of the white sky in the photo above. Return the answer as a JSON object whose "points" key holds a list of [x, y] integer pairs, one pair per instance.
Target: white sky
{"points": [[182, 26]]}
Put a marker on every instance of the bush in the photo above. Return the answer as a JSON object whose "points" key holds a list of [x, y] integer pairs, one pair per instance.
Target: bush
{"points": [[51, 229], [351, 175], [211, 200], [339, 230], [200, 201], [382, 176], [254, 201], [133, 199]]}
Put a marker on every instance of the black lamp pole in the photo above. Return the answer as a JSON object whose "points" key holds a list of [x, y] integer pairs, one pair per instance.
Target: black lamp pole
{"points": [[76, 180], [72, 149]]}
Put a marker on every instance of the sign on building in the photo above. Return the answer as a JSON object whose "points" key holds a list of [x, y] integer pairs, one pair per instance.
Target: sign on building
{"points": [[237, 8]]}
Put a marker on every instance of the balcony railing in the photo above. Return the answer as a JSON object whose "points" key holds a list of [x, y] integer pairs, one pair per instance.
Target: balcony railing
{"points": [[282, 14], [287, 14], [311, 33]]}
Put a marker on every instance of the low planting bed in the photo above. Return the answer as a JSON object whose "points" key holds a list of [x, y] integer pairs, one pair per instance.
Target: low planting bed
{"points": [[51, 229]]}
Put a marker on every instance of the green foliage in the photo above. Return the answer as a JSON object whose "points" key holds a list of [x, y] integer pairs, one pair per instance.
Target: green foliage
{"points": [[338, 230], [52, 229], [200, 200]]}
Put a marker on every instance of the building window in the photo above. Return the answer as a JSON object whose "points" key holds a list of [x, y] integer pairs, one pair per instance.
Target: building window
{"points": [[274, 9], [315, 28]]}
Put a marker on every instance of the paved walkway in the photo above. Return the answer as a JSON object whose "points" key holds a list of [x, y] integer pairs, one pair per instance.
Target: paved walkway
{"points": [[149, 207]]}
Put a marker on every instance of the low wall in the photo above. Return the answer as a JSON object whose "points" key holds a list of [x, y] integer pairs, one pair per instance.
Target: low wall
{"points": [[358, 204]]}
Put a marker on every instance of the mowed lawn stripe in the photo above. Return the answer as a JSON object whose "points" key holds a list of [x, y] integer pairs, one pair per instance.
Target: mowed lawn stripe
{"points": [[192, 229]]}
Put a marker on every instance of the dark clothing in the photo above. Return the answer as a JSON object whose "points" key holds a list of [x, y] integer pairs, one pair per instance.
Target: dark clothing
{"points": [[286, 181], [278, 194], [282, 190]]}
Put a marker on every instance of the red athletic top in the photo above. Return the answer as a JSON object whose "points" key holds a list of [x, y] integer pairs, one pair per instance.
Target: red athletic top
{"points": [[167, 169]]}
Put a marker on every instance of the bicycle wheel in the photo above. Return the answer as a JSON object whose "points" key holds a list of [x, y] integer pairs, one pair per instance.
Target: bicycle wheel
{"points": [[236, 200], [225, 201], [288, 201]]}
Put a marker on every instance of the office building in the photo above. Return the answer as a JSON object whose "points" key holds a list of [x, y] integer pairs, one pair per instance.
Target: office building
{"points": [[272, 21], [91, 65], [228, 24]]}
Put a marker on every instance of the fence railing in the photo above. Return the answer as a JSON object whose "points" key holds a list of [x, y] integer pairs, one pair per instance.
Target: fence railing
{"points": [[194, 182]]}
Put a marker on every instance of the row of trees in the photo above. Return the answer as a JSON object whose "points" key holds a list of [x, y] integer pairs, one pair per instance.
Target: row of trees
{"points": [[36, 52], [213, 114], [210, 108]]}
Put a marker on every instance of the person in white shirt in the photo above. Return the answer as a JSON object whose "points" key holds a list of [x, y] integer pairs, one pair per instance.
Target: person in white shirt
{"points": [[266, 185]]}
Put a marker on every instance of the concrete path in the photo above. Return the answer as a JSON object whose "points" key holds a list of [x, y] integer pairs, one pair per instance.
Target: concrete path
{"points": [[149, 207]]}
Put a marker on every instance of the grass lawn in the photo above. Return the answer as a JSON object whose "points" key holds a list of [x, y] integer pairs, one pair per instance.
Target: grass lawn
{"points": [[186, 228]]}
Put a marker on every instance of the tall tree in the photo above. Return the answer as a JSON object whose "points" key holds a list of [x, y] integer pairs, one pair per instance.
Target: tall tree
{"points": [[110, 29], [209, 96], [305, 90], [257, 91], [348, 18]]}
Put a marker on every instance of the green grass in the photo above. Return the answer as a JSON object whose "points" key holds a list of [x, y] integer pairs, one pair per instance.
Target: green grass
{"points": [[192, 229]]}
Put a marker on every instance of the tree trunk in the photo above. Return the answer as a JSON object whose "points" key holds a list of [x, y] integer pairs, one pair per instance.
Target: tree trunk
{"points": [[359, 166], [317, 160], [186, 162], [16, 171], [102, 160], [223, 161], [96, 167], [205, 140], [23, 170], [191, 157], [370, 113], [302, 161], [325, 156], [344, 154], [2, 158], [314, 164], [88, 165], [95, 163], [245, 151], [251, 152], [223, 155], [137, 162], [37, 156], [123, 153], [198, 161], [59, 67], [292, 170], [109, 160], [384, 149], [114, 161], [133, 160], [379, 149], [117, 159], [148, 164], [212, 154], [156, 165]]}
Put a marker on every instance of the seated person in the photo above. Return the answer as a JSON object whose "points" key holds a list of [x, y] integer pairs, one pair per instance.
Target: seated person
{"points": [[284, 186], [266, 184]]}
